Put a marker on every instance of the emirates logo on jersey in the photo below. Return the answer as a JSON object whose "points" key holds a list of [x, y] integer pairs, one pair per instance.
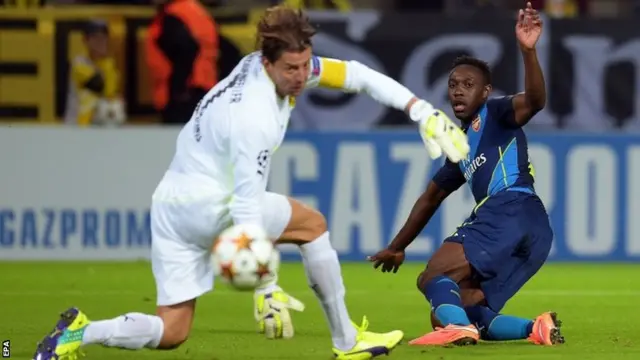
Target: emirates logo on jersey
{"points": [[475, 125], [469, 167]]}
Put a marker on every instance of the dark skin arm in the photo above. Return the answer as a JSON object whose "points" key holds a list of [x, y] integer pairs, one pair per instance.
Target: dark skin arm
{"points": [[528, 31], [392, 257]]}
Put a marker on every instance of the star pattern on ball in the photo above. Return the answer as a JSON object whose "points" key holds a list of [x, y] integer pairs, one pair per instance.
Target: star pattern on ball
{"points": [[227, 272], [244, 241], [263, 270]]}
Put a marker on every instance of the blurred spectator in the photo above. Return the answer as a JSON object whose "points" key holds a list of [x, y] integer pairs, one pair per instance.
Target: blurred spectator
{"points": [[93, 97], [182, 52]]}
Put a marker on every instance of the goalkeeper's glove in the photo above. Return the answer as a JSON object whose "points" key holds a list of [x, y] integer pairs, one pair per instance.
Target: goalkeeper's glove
{"points": [[439, 133], [271, 311]]}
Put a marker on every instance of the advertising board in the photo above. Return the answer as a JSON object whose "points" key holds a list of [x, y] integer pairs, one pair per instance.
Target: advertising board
{"points": [[84, 194]]}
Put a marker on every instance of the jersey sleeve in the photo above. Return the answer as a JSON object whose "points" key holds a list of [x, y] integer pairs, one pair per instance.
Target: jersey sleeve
{"points": [[449, 178], [250, 142], [355, 77], [501, 109]]}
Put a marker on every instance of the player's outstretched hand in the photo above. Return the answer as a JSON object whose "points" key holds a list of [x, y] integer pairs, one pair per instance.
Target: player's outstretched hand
{"points": [[389, 259], [528, 27]]}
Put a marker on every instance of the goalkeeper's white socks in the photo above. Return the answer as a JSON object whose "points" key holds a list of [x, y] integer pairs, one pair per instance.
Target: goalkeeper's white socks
{"points": [[323, 272], [131, 331]]}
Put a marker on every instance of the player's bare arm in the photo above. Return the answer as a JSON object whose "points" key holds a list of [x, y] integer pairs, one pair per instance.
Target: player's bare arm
{"points": [[534, 98], [447, 180], [427, 204]]}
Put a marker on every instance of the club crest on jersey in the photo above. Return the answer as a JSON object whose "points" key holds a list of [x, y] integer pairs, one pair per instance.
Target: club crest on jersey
{"points": [[475, 124]]}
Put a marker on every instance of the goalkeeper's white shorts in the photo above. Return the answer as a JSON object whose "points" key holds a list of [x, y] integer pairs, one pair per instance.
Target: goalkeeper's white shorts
{"points": [[184, 224]]}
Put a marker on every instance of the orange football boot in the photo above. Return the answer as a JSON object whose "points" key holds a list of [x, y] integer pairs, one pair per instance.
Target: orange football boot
{"points": [[450, 335], [546, 330]]}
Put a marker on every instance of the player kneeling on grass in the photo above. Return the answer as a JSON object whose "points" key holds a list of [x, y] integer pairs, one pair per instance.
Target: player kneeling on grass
{"points": [[507, 238], [218, 177]]}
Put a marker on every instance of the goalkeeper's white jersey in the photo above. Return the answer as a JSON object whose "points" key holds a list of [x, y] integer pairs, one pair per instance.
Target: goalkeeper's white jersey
{"points": [[231, 135], [239, 123]]}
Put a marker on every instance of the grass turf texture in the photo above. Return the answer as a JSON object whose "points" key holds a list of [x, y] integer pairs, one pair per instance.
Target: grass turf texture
{"points": [[596, 302]]}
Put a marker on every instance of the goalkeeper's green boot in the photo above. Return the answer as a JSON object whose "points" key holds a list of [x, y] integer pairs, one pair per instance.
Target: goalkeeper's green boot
{"points": [[63, 343], [370, 344]]}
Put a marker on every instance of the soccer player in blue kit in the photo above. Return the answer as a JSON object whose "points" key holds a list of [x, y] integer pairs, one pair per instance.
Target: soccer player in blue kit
{"points": [[507, 238]]}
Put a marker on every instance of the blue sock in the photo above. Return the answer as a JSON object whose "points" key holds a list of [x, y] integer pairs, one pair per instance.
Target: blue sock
{"points": [[498, 327], [444, 296]]}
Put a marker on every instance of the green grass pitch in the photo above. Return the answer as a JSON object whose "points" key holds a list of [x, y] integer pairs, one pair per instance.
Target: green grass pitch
{"points": [[597, 303]]}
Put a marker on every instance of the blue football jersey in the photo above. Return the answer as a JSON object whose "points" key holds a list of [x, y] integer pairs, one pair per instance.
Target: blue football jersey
{"points": [[498, 158]]}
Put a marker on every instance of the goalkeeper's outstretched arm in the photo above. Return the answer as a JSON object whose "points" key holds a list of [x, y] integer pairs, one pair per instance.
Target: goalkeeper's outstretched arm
{"points": [[438, 132], [353, 76]]}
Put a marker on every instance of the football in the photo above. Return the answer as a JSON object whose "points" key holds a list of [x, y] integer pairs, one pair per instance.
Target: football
{"points": [[244, 257]]}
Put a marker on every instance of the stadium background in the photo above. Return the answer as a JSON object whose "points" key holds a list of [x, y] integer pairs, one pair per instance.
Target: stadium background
{"points": [[83, 194], [360, 163]]}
